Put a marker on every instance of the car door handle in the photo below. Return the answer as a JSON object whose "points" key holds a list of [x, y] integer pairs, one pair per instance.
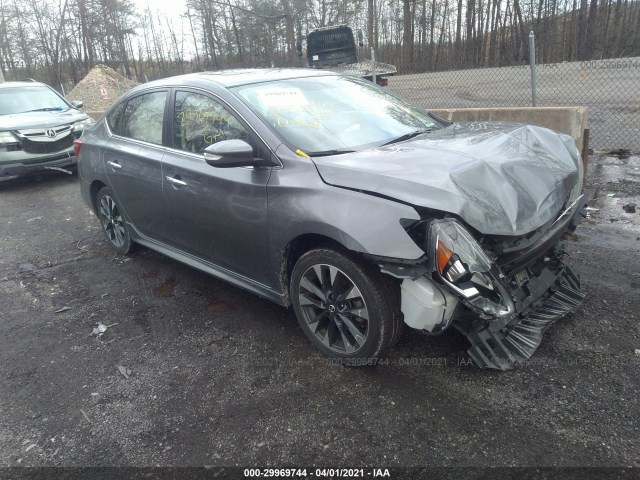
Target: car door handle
{"points": [[114, 164], [176, 181]]}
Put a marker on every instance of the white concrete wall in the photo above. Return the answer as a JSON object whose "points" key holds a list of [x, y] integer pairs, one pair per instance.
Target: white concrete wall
{"points": [[570, 120]]}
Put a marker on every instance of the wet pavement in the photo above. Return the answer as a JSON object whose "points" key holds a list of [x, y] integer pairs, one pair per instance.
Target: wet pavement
{"points": [[192, 371]]}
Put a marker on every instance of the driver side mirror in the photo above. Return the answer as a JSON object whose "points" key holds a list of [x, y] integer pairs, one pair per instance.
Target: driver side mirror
{"points": [[231, 153], [78, 104]]}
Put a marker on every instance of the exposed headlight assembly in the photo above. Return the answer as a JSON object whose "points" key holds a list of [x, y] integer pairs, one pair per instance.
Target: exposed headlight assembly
{"points": [[459, 261]]}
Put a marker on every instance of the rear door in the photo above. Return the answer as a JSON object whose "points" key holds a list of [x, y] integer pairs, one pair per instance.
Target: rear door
{"points": [[216, 214], [133, 160]]}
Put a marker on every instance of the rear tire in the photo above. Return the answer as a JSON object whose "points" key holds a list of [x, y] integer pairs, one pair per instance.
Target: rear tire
{"points": [[345, 306], [114, 225]]}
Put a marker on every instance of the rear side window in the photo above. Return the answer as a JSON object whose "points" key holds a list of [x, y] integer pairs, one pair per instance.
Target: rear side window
{"points": [[143, 117], [113, 119]]}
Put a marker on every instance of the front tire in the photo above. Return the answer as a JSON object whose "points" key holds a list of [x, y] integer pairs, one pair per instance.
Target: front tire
{"points": [[345, 306], [113, 222]]}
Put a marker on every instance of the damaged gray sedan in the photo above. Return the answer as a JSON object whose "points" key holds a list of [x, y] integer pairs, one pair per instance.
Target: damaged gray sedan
{"points": [[333, 196]]}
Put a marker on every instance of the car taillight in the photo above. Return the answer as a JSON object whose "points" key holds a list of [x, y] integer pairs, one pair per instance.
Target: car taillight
{"points": [[77, 145]]}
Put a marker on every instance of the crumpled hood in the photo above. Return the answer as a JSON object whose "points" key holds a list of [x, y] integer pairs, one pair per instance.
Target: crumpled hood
{"points": [[40, 119], [501, 178]]}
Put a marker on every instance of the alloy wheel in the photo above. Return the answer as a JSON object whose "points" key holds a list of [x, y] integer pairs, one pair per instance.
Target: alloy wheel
{"points": [[333, 308], [112, 221]]}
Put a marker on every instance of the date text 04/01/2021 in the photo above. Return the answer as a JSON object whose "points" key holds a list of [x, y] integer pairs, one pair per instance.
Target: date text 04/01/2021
{"points": [[318, 472]]}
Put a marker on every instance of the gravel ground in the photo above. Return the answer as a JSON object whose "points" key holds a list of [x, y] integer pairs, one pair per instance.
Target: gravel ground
{"points": [[221, 377]]}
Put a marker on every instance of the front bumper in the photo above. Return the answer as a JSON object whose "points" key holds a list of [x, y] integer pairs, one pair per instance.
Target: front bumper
{"points": [[15, 168], [501, 347], [551, 291], [536, 288]]}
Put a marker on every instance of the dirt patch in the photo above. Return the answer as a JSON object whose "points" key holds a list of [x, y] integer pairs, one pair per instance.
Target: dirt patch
{"points": [[219, 306], [166, 289], [100, 88]]}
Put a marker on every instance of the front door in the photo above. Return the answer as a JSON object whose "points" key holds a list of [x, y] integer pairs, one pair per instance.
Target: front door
{"points": [[216, 214]]}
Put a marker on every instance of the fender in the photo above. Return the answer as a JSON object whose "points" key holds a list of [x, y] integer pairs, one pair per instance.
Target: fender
{"points": [[359, 221]]}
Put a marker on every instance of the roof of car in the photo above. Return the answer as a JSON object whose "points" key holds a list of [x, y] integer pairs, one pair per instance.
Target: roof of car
{"points": [[245, 76]]}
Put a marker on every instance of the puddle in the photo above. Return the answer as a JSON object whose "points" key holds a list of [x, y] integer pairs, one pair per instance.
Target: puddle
{"points": [[27, 268], [219, 306], [615, 170], [166, 289]]}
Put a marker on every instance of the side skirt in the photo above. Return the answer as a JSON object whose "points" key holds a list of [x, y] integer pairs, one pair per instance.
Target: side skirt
{"points": [[213, 270]]}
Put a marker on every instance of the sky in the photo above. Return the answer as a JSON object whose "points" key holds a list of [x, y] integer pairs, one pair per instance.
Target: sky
{"points": [[171, 9]]}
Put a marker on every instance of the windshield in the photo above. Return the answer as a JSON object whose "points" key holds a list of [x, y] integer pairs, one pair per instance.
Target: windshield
{"points": [[333, 114], [27, 99]]}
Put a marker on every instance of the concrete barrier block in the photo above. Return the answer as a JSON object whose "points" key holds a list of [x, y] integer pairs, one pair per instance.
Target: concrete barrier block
{"points": [[573, 121]]}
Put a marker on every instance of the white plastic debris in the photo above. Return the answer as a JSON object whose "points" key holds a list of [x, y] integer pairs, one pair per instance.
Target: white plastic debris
{"points": [[63, 309], [99, 329], [84, 414], [124, 371]]}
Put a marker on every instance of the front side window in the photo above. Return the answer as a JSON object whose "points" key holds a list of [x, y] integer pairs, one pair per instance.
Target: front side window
{"points": [[200, 121], [143, 117]]}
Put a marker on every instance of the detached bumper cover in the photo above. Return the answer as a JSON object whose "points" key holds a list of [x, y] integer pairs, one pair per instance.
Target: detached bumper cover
{"points": [[16, 169], [503, 348]]}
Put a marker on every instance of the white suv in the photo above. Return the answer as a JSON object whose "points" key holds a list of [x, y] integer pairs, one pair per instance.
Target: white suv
{"points": [[37, 129]]}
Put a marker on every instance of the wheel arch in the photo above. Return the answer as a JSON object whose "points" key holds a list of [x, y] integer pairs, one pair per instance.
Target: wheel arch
{"points": [[297, 247], [95, 187]]}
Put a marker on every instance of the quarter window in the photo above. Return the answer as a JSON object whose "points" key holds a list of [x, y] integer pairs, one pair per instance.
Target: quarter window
{"points": [[200, 121], [143, 117], [113, 119]]}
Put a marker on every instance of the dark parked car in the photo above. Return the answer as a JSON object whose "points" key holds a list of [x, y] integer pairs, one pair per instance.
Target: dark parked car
{"points": [[334, 196], [37, 129]]}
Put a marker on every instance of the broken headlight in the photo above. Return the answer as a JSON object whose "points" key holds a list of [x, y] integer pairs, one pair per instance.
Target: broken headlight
{"points": [[461, 263], [8, 137], [9, 142]]}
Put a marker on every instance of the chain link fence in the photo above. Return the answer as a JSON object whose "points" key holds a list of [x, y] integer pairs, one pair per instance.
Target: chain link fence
{"points": [[609, 88]]}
